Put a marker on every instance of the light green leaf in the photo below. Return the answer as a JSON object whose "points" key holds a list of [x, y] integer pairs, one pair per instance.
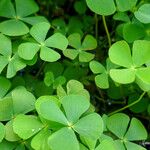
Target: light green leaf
{"points": [[118, 124], [4, 62], [39, 31], [96, 67], [102, 81], [48, 109], [39, 141], [136, 131], [5, 85], [7, 9], [124, 5], [143, 13], [28, 50], [133, 146], [74, 106], [67, 140], [9, 133], [53, 41], [89, 43], [49, 78], [6, 109], [141, 52], [101, 6], [75, 40], [70, 53], [11, 71], [90, 126], [2, 131], [85, 56], [5, 45], [34, 19], [25, 8], [48, 54], [119, 145], [13, 28], [120, 54], [26, 126], [132, 32], [23, 101], [123, 76], [106, 144]]}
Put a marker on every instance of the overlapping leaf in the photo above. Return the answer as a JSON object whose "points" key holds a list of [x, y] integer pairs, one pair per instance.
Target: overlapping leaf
{"points": [[79, 49], [17, 15], [39, 31]]}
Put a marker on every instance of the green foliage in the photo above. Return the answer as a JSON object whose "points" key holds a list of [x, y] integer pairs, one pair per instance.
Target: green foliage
{"points": [[51, 52]]}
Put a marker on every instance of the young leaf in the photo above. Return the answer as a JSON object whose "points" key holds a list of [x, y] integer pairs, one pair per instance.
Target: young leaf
{"points": [[2, 131]]}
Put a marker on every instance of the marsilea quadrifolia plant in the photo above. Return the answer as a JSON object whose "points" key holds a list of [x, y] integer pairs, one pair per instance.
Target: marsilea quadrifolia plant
{"points": [[51, 52]]}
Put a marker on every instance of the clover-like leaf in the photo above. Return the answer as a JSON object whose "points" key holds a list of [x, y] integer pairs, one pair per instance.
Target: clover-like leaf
{"points": [[18, 14], [14, 62], [126, 130], [26, 126], [90, 126], [2, 131], [143, 13], [46, 46], [67, 140], [74, 106], [79, 49]]}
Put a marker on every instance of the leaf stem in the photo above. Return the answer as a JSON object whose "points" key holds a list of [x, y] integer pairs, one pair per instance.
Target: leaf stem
{"points": [[129, 105], [40, 70], [96, 26], [106, 30]]}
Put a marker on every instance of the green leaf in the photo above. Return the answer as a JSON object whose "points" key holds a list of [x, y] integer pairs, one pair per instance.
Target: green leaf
{"points": [[96, 67], [120, 145], [49, 78], [85, 56], [143, 13], [25, 8], [6, 109], [48, 54], [118, 124], [23, 101], [4, 62], [74, 106], [2, 131], [123, 76], [5, 45], [5, 85], [34, 19], [67, 140], [26, 126], [106, 144], [120, 54], [75, 40], [124, 5], [90, 126], [9, 133], [39, 141], [136, 131], [13, 28], [80, 7], [53, 41], [141, 52], [28, 50], [89, 43], [48, 109], [70, 53], [133, 146], [102, 81], [7, 9], [132, 32], [101, 6], [39, 31]]}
